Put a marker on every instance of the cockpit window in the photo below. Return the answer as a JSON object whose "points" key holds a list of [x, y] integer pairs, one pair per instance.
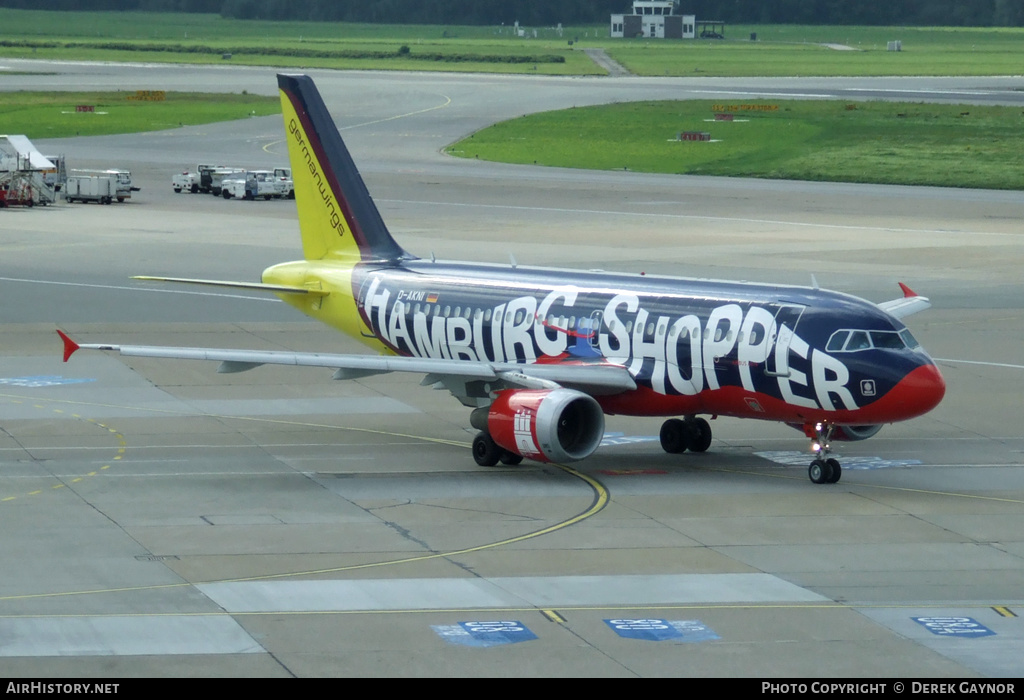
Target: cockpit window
{"points": [[889, 340], [909, 339], [859, 340], [853, 340], [836, 342]]}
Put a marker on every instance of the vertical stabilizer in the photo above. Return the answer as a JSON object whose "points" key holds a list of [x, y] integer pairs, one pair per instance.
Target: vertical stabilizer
{"points": [[337, 217]]}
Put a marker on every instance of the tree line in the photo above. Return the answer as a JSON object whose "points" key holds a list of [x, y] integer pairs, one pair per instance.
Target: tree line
{"points": [[977, 13]]}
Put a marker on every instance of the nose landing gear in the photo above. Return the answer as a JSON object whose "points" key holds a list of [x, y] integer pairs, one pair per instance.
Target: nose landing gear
{"points": [[824, 469]]}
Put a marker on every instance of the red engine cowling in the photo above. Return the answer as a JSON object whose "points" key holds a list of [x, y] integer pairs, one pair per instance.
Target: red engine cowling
{"points": [[546, 425], [853, 433]]}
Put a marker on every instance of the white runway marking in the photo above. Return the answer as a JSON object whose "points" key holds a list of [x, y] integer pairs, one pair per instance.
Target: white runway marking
{"points": [[977, 362], [803, 459], [508, 592], [124, 636], [694, 217]]}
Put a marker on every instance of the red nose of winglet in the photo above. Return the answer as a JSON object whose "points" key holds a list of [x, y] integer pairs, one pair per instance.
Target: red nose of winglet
{"points": [[69, 345], [907, 291]]}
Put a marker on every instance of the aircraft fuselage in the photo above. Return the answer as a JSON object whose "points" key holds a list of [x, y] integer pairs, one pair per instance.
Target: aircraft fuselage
{"points": [[781, 353]]}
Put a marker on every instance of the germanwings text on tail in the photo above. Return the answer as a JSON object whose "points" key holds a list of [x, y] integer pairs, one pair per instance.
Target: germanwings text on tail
{"points": [[540, 356]]}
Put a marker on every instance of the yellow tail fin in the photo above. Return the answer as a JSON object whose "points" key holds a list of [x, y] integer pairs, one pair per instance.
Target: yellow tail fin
{"points": [[337, 217]]}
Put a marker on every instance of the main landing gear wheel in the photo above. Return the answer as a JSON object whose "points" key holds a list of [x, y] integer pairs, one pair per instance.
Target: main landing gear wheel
{"points": [[673, 436], [510, 458], [692, 434], [485, 451], [700, 435]]}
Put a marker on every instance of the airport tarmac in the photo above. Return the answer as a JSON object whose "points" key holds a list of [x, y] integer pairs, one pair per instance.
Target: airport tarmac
{"points": [[161, 519]]}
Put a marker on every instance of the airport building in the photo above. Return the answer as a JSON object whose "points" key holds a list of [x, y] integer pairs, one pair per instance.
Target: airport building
{"points": [[655, 19], [660, 19]]}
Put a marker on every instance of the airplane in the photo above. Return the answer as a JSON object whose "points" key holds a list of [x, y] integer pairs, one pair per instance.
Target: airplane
{"points": [[540, 356]]}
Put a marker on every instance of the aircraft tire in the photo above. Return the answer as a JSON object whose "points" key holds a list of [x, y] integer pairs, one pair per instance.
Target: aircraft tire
{"points": [[820, 471], [485, 451], [673, 436], [699, 435], [510, 458], [837, 470]]}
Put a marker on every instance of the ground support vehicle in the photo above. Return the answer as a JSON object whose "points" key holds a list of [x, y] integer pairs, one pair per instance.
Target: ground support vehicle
{"points": [[199, 181], [101, 189], [185, 181], [218, 176], [24, 188], [56, 176], [123, 187], [268, 184]]}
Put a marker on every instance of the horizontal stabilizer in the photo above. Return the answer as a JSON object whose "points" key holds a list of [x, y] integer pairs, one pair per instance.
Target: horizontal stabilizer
{"points": [[256, 286]]}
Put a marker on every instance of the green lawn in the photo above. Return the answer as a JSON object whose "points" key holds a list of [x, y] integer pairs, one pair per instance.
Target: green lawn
{"points": [[41, 115], [875, 142], [780, 50], [191, 38], [800, 51], [880, 142]]}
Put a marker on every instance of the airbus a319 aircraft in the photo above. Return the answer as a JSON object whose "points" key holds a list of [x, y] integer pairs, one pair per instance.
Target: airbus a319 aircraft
{"points": [[542, 355]]}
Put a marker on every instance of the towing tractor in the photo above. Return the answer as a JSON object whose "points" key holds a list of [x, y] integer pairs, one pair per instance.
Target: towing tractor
{"points": [[266, 184]]}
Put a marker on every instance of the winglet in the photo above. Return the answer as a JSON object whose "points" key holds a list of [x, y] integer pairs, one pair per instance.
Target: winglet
{"points": [[69, 345], [910, 303]]}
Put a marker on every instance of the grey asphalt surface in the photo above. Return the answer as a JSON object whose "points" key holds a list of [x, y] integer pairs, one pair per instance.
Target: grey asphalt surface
{"points": [[161, 519]]}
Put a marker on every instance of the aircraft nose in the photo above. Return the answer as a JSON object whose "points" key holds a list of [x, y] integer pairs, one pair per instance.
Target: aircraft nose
{"points": [[925, 387]]}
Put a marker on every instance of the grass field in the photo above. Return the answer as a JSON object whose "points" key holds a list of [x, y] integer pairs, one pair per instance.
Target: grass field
{"points": [[875, 142], [41, 115], [879, 142], [803, 51], [780, 50], [191, 38]]}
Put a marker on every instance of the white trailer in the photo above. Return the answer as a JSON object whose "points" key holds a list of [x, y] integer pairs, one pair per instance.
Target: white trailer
{"points": [[101, 189], [123, 187]]}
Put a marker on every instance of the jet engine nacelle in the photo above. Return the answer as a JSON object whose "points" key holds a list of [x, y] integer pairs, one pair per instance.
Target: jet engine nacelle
{"points": [[842, 433], [854, 433], [546, 425]]}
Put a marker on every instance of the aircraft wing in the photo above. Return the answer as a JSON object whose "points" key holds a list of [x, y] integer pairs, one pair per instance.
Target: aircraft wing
{"points": [[588, 377], [909, 303], [255, 286]]}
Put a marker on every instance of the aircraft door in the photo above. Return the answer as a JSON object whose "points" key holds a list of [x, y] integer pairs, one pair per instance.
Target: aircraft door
{"points": [[595, 328], [787, 316]]}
